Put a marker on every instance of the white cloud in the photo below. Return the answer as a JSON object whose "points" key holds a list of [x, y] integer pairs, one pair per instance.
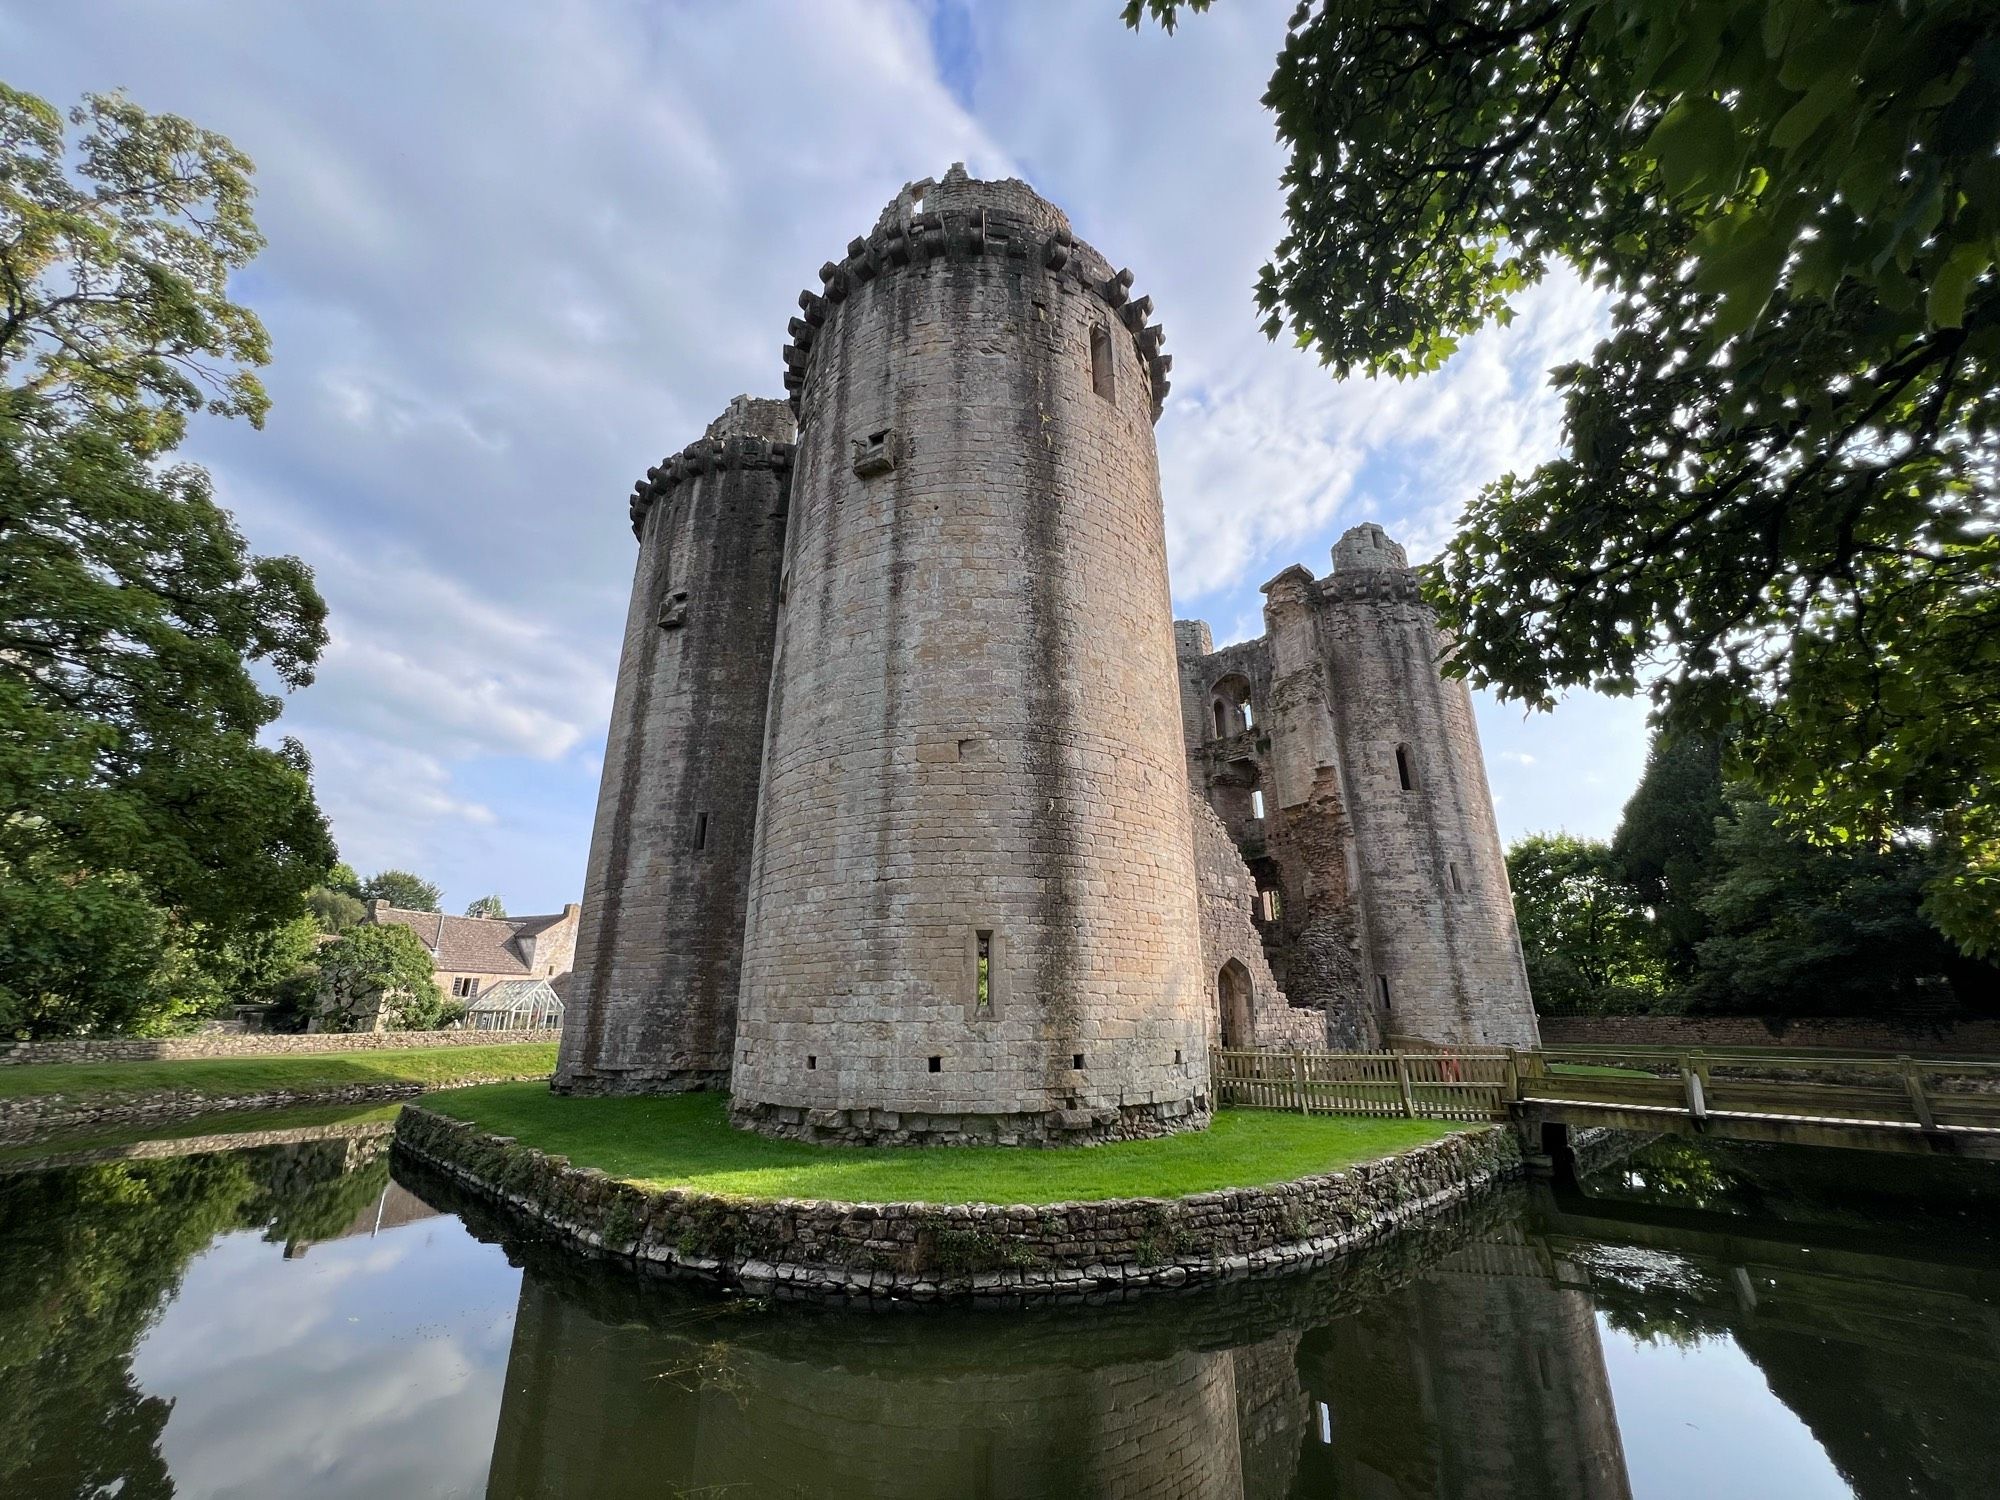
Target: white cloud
{"points": [[518, 252]]}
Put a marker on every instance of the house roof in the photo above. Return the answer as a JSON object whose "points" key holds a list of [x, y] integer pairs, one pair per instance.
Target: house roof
{"points": [[469, 945]]}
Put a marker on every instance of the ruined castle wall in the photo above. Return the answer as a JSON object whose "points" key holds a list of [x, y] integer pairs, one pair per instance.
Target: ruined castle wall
{"points": [[972, 728], [1229, 936], [1443, 955], [652, 1002]]}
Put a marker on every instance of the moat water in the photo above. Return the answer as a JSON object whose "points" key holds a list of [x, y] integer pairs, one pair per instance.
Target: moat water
{"points": [[317, 1320]]}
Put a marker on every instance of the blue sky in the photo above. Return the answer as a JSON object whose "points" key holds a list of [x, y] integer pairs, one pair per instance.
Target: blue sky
{"points": [[520, 251]]}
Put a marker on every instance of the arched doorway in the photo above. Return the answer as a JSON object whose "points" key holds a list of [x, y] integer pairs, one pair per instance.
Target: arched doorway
{"points": [[1232, 997]]}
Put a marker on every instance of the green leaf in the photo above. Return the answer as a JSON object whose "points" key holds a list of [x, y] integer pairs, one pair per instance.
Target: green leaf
{"points": [[1946, 305], [1695, 144]]}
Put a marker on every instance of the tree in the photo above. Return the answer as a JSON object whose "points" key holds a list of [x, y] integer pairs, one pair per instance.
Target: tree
{"points": [[375, 964], [403, 890], [1665, 843], [1783, 467], [334, 910], [487, 906], [146, 816], [1585, 937], [1797, 929]]}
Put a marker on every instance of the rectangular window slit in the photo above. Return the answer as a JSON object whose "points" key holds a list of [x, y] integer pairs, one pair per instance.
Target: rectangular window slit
{"points": [[1076, 1062], [982, 985], [1457, 886], [1256, 804], [701, 830], [1177, 1057], [1382, 989], [1102, 376], [1403, 768], [937, 1065], [812, 1064]]}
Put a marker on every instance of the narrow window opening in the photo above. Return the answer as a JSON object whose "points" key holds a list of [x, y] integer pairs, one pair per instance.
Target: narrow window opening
{"points": [[1101, 376], [937, 1065], [877, 439], [812, 1063], [1221, 719], [1382, 989], [701, 830], [1403, 768], [1177, 1057], [982, 968], [1457, 886], [1249, 717], [1076, 1062], [1325, 1424], [1256, 804]]}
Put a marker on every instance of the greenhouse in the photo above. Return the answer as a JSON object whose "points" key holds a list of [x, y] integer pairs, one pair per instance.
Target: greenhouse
{"points": [[515, 1005]]}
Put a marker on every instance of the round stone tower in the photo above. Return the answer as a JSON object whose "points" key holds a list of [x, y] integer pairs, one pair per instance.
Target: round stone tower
{"points": [[973, 903], [1442, 954], [652, 1001]]}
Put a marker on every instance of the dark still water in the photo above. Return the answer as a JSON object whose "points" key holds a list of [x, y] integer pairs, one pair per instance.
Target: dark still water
{"points": [[301, 1320]]}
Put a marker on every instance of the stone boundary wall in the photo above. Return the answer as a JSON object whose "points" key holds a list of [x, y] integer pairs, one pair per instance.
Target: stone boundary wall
{"points": [[33, 1115], [922, 1252], [196, 1145], [1969, 1038], [255, 1044]]}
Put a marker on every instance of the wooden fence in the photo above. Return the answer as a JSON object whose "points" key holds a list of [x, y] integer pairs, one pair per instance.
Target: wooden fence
{"points": [[1412, 1085]]}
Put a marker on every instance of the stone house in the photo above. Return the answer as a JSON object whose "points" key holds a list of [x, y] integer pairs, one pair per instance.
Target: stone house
{"points": [[469, 954]]}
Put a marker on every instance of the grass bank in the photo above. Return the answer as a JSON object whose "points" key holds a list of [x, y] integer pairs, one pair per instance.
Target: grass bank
{"points": [[429, 1067], [686, 1141], [219, 1123]]}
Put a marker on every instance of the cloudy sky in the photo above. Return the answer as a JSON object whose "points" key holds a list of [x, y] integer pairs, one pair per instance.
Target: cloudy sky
{"points": [[520, 249]]}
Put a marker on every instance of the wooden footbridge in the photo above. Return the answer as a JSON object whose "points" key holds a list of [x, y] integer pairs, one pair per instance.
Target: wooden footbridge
{"points": [[1940, 1105]]}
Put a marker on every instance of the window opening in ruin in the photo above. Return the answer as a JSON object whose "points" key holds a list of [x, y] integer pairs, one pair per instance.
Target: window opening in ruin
{"points": [[937, 1065], [982, 974], [1076, 1062], [812, 1063], [1403, 768], [1382, 989], [1221, 719], [1256, 804], [1457, 886], [1177, 1057], [1101, 374], [701, 831], [1325, 1425], [1249, 718], [877, 439], [1270, 904]]}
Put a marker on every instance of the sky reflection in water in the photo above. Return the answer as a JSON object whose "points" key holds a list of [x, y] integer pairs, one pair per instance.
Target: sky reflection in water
{"points": [[292, 1321]]}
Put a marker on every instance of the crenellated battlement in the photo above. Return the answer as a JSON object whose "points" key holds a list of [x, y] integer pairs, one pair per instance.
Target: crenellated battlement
{"points": [[969, 219], [706, 455]]}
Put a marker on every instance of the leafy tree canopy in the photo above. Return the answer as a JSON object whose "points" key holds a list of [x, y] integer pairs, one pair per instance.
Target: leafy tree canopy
{"points": [[1782, 481], [401, 888], [1584, 934], [487, 906], [1665, 842], [378, 959], [131, 611]]}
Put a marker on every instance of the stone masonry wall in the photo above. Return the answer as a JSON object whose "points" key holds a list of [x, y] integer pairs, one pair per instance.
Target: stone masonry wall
{"points": [[1229, 936], [652, 1003], [1443, 954], [930, 1251], [253, 1044], [972, 726]]}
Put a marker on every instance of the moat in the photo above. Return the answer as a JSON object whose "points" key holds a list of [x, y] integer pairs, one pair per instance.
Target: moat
{"points": [[317, 1319]]}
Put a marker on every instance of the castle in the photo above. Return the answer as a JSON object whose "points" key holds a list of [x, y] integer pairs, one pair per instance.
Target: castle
{"points": [[896, 839]]}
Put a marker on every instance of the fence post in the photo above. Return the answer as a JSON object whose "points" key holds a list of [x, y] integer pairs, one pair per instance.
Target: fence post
{"points": [[1215, 1079], [1691, 1087], [1403, 1082], [1299, 1080], [1512, 1083], [1913, 1081]]}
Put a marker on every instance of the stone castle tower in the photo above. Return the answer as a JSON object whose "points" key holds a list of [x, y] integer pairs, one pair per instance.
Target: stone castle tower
{"points": [[1347, 770], [928, 655]]}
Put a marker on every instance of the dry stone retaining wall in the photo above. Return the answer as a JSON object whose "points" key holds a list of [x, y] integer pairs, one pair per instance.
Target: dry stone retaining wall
{"points": [[171, 1049], [922, 1251]]}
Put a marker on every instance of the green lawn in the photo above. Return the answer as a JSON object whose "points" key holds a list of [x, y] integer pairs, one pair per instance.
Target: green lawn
{"points": [[433, 1067], [686, 1141]]}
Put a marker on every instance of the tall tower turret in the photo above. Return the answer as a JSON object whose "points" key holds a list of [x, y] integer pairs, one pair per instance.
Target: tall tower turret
{"points": [[652, 1001], [1442, 954], [973, 911]]}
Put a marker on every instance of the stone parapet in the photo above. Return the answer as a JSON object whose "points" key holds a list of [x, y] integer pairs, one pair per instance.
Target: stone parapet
{"points": [[175, 1048], [983, 1252]]}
